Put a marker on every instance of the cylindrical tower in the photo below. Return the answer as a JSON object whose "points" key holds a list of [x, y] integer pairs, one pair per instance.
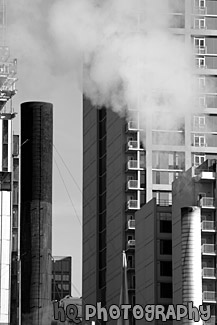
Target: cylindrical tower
{"points": [[191, 257], [36, 210]]}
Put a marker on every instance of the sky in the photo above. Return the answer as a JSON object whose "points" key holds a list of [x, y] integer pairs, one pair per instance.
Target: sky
{"points": [[45, 74]]}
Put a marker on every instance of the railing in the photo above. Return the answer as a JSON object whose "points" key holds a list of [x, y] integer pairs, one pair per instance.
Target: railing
{"points": [[131, 224], [133, 184], [200, 11], [209, 272], [208, 225], [209, 248], [131, 242], [133, 164], [207, 202], [133, 145], [132, 125], [161, 202], [209, 296], [200, 49], [133, 204]]}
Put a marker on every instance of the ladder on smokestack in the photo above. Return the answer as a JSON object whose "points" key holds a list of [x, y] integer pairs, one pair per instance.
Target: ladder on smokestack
{"points": [[8, 68]]}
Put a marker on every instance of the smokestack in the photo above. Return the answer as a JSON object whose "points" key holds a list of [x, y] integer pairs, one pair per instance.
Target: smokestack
{"points": [[191, 258], [36, 210]]}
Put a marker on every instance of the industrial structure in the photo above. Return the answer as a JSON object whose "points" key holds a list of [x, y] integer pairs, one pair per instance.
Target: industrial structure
{"points": [[36, 210], [9, 165], [194, 237], [125, 166]]}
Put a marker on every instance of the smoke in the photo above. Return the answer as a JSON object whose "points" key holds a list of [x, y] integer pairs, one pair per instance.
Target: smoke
{"points": [[131, 59]]}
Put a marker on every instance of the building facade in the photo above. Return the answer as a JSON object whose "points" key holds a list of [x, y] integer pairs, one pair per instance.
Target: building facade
{"points": [[153, 255], [9, 164], [126, 164], [61, 277]]}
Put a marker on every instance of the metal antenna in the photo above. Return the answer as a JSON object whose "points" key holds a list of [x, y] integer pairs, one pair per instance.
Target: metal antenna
{"points": [[8, 69]]}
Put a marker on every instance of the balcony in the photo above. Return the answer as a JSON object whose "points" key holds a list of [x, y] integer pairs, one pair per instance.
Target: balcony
{"points": [[209, 296], [131, 224], [200, 11], [208, 249], [132, 126], [200, 49], [205, 175], [133, 205], [209, 273], [133, 145], [133, 165], [207, 225], [131, 243], [210, 321], [133, 184], [207, 203]]}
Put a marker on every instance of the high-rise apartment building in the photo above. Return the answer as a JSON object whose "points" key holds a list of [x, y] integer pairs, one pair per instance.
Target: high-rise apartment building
{"points": [[127, 162], [153, 255]]}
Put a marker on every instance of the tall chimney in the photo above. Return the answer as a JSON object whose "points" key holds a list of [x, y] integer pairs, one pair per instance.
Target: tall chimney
{"points": [[36, 210]]}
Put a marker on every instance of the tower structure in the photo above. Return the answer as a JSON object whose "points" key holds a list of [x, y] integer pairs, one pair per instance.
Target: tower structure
{"points": [[8, 155], [36, 211], [121, 173]]}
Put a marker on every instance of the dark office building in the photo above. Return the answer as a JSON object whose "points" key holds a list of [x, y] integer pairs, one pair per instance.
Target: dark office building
{"points": [[36, 209], [61, 277]]}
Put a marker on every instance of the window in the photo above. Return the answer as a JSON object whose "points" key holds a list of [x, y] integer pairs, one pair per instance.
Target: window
{"points": [[199, 23], [202, 101], [166, 268], [166, 226], [15, 218], [199, 45], [199, 42], [130, 261], [65, 266], [166, 290], [200, 62], [65, 277], [199, 121], [165, 247], [199, 141], [15, 242], [199, 159], [202, 4], [65, 287], [202, 83]]}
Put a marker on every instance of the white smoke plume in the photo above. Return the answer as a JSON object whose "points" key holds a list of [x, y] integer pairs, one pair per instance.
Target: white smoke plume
{"points": [[131, 59]]}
